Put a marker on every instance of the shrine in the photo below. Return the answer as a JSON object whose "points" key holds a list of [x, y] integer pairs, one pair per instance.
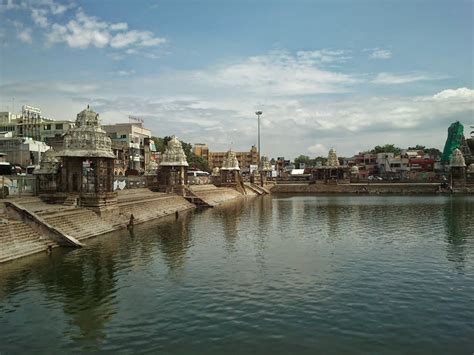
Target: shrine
{"points": [[172, 173], [87, 173]]}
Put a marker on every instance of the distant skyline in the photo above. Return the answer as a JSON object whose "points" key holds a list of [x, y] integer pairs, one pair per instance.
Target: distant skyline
{"points": [[342, 74]]}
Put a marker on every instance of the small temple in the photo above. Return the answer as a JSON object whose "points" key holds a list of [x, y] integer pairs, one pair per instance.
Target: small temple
{"points": [[87, 171], [332, 171], [265, 170], [230, 170], [172, 172]]}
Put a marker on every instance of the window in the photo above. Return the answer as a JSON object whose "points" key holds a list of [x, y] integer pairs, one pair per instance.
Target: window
{"points": [[59, 126], [123, 136], [47, 127]]}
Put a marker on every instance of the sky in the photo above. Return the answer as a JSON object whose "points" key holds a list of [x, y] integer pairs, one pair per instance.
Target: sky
{"points": [[328, 74]]}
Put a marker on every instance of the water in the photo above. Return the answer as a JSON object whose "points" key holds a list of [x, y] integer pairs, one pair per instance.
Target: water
{"points": [[273, 275]]}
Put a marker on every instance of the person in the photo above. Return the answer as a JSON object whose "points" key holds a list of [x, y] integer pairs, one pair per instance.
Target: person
{"points": [[131, 221]]}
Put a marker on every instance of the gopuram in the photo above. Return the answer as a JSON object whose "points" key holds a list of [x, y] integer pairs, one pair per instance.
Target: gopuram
{"points": [[172, 173], [332, 171], [87, 172]]}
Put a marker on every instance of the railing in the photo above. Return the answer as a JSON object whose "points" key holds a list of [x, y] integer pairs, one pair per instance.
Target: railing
{"points": [[18, 185]]}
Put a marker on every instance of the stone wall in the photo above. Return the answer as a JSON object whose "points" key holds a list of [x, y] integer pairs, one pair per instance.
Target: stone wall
{"points": [[394, 188]]}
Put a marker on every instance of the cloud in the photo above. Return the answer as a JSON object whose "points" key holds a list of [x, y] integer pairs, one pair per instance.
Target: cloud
{"points": [[84, 31], [379, 53], [39, 16], [318, 149], [460, 94], [281, 73], [395, 79], [25, 35]]}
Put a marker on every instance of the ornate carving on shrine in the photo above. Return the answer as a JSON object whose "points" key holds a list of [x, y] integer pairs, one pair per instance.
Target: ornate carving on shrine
{"points": [[332, 161], [457, 159], [87, 139], [230, 162], [174, 154]]}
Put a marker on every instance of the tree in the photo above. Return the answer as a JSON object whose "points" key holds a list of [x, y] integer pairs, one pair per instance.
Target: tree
{"points": [[194, 161], [470, 144], [302, 159], [387, 148]]}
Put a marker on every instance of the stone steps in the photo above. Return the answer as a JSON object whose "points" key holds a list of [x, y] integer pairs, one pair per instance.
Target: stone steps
{"points": [[80, 223], [18, 239]]}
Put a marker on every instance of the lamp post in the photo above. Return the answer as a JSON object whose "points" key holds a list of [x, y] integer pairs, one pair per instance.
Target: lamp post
{"points": [[258, 113]]}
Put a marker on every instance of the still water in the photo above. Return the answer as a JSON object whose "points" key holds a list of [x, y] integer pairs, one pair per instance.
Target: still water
{"points": [[271, 275]]}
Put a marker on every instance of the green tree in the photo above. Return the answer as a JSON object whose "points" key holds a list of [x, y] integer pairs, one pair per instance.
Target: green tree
{"points": [[387, 148], [302, 159]]}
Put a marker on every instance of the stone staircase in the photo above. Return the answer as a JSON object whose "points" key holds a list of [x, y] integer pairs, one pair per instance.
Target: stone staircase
{"points": [[18, 240], [79, 223]]}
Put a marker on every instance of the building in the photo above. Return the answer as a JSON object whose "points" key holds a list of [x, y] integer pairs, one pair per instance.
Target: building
{"points": [[201, 150], [245, 159], [31, 124], [131, 144], [22, 151]]}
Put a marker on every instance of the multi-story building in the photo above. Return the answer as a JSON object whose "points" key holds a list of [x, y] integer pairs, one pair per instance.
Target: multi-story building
{"points": [[22, 151], [201, 150], [31, 124], [131, 145], [246, 159]]}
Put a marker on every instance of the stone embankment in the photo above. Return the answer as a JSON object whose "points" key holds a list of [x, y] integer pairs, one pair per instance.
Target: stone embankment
{"points": [[214, 196], [374, 188], [19, 239]]}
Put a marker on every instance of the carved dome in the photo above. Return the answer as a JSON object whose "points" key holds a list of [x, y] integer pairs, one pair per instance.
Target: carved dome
{"points": [[265, 164], [174, 154], [457, 159], [332, 158], [354, 170], [87, 139], [230, 162]]}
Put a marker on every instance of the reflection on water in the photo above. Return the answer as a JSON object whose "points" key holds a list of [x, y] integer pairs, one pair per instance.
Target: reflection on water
{"points": [[276, 274], [459, 227]]}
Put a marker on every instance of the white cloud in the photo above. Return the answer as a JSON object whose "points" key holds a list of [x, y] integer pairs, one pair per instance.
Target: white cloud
{"points": [[395, 79], [461, 94], [25, 35], [40, 17], [84, 31], [281, 73], [379, 53], [318, 149]]}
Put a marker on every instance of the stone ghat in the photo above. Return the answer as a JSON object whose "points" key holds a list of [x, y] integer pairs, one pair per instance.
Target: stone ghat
{"points": [[18, 240], [214, 196], [375, 188]]}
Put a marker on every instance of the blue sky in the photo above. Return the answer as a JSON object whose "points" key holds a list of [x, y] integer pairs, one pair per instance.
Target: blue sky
{"points": [[342, 74]]}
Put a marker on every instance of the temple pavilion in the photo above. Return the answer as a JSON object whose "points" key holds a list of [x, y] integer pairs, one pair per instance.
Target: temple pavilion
{"points": [[230, 171], [172, 173], [88, 163], [332, 170]]}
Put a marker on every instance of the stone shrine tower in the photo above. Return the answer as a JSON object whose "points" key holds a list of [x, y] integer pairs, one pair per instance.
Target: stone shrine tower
{"points": [[173, 168], [230, 171], [88, 164], [265, 170], [457, 165]]}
